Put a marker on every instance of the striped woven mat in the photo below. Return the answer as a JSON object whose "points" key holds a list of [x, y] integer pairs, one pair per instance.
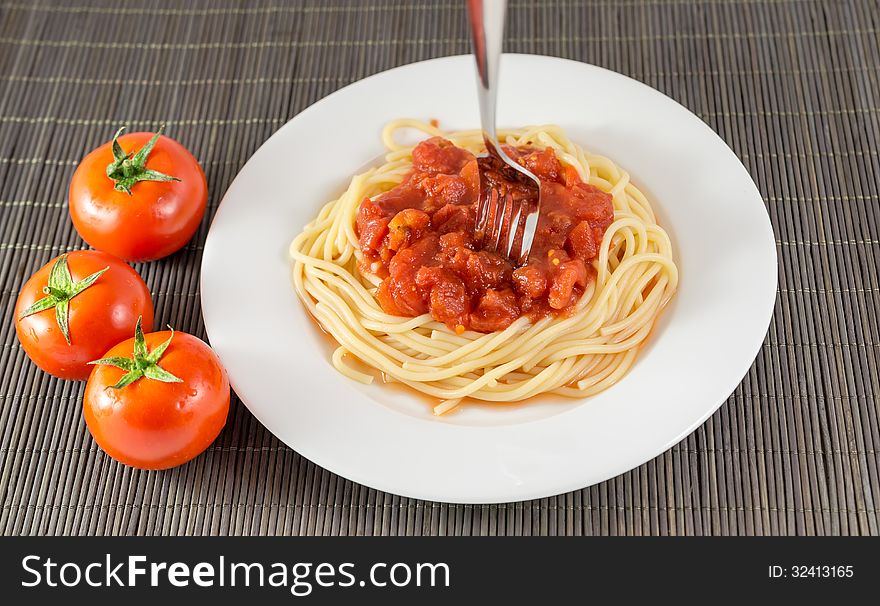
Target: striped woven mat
{"points": [[793, 86]]}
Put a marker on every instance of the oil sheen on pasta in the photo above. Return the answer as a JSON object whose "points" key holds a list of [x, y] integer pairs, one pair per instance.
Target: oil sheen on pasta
{"points": [[568, 342]]}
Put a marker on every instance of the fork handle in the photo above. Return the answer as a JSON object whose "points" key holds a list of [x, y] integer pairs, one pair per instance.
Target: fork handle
{"points": [[487, 34]]}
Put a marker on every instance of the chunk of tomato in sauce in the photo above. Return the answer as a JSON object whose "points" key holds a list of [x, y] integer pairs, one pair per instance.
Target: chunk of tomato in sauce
{"points": [[406, 298], [407, 227], [372, 226], [496, 310], [449, 300], [530, 281], [544, 164], [582, 242], [567, 277], [554, 226], [589, 203], [456, 249], [439, 155], [486, 270], [454, 218]]}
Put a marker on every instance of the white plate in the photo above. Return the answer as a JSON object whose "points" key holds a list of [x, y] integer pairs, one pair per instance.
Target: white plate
{"points": [[388, 439]]}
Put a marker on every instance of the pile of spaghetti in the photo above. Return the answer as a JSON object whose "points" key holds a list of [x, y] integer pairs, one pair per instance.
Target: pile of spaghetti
{"points": [[577, 353]]}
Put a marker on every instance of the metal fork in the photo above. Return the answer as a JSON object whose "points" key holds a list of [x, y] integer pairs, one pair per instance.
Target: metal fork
{"points": [[507, 212]]}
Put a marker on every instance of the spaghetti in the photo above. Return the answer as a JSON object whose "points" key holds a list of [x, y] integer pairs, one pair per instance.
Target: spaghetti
{"points": [[574, 354]]}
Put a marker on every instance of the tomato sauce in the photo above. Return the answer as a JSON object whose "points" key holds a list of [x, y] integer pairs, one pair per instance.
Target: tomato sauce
{"points": [[419, 238]]}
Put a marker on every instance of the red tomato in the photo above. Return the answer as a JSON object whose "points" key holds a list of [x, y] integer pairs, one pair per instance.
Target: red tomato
{"points": [[97, 299], [156, 402], [140, 197]]}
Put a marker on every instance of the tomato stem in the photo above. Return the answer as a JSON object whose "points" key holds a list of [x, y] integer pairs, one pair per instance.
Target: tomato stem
{"points": [[55, 292], [142, 363], [59, 291], [130, 168]]}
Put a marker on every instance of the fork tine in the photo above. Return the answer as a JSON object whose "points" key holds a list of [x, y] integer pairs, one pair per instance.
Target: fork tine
{"points": [[530, 227], [513, 231], [501, 207], [484, 206]]}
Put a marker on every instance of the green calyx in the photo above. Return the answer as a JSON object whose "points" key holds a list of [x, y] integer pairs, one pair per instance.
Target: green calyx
{"points": [[143, 363], [130, 168], [60, 290]]}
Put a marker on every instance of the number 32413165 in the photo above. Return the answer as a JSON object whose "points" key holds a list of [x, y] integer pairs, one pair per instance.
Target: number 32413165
{"points": [[812, 571]]}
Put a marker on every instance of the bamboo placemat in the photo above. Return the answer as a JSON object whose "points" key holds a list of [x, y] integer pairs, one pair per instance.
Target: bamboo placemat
{"points": [[792, 86]]}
